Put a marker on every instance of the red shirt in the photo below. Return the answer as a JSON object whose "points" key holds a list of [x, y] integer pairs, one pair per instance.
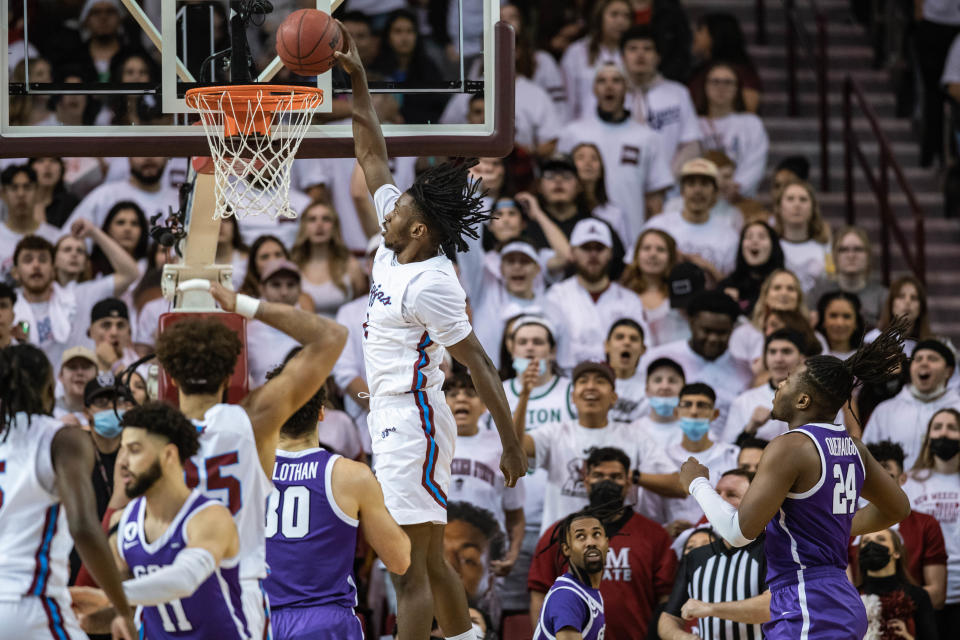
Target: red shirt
{"points": [[923, 541], [639, 571]]}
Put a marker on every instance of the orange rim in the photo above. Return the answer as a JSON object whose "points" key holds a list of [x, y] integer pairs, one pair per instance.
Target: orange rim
{"points": [[253, 105]]}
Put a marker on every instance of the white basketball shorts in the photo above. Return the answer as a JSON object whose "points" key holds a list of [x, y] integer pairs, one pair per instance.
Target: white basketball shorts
{"points": [[36, 617], [413, 437]]}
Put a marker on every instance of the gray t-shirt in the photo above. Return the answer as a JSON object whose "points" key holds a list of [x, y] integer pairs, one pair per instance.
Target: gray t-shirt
{"points": [[872, 298]]}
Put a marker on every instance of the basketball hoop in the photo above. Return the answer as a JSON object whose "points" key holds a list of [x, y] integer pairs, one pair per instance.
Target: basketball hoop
{"points": [[254, 132]]}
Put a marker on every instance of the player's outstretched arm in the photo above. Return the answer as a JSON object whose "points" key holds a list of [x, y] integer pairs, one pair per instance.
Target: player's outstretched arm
{"points": [[368, 142], [888, 503], [73, 458], [780, 466], [211, 537], [357, 491], [470, 353], [271, 405]]}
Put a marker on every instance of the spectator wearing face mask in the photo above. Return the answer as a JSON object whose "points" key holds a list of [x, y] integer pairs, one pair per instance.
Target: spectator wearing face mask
{"points": [[664, 381], [934, 488], [696, 410], [587, 304], [105, 401], [639, 567], [749, 415], [903, 417], [706, 357], [77, 367], [623, 348], [721, 587], [895, 605]]}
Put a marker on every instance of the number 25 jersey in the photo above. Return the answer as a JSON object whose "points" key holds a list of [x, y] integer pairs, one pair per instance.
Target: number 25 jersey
{"points": [[812, 528]]}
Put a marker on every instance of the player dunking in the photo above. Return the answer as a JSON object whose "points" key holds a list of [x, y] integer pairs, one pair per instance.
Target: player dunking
{"points": [[238, 442], [46, 498], [806, 494], [416, 309]]}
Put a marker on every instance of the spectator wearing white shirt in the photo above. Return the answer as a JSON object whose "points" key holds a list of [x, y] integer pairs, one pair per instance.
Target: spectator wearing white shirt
{"points": [[706, 242], [780, 291], [840, 323], [78, 366], [726, 125], [8, 298], [663, 105], [127, 225], [263, 251], [586, 156], [608, 22], [654, 257], [696, 410], [586, 305], [267, 347], [664, 380], [57, 315], [749, 415], [111, 336], [759, 256], [934, 488], [623, 348], [804, 234], [705, 357], [904, 417], [475, 475], [71, 262], [535, 64], [19, 189], [751, 450], [144, 186], [637, 171], [934, 32]]}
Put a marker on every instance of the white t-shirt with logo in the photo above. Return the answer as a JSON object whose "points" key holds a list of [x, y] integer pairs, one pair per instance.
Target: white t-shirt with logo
{"points": [[666, 107], [938, 495], [475, 475], [714, 241], [743, 138], [807, 260]]}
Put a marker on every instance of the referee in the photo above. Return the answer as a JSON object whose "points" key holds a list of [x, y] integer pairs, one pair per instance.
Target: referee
{"points": [[722, 587]]}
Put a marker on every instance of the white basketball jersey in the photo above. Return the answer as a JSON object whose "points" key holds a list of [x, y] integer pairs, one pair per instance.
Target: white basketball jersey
{"points": [[34, 541], [404, 334], [227, 468]]}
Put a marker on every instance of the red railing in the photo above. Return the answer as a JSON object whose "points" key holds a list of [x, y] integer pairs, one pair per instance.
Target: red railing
{"points": [[816, 57], [880, 185]]}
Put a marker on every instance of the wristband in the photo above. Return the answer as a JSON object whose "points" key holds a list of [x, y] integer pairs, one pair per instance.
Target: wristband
{"points": [[247, 306]]}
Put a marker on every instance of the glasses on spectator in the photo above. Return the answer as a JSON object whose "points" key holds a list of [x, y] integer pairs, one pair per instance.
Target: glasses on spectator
{"points": [[558, 174], [857, 249], [722, 82]]}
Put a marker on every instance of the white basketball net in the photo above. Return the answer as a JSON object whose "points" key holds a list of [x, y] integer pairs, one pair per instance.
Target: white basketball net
{"points": [[252, 171]]}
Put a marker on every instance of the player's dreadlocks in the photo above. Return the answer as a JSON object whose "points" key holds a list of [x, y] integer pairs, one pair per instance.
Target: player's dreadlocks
{"points": [[872, 363], [25, 373], [451, 204], [561, 534]]}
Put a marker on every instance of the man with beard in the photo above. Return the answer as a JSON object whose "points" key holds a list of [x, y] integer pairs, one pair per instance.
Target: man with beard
{"points": [[709, 243], [180, 547], [144, 187], [640, 565], [573, 608], [585, 306], [56, 316]]}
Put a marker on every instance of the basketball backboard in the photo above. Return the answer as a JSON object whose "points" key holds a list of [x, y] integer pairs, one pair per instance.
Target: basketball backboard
{"points": [[181, 37]]}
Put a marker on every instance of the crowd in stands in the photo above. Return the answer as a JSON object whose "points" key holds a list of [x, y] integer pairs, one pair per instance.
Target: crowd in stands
{"points": [[649, 280]]}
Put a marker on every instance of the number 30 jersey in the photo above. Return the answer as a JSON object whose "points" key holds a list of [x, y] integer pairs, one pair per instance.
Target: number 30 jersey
{"points": [[214, 610], [227, 468], [812, 528]]}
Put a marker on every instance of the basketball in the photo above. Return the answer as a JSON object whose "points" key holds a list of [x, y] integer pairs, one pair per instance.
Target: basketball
{"points": [[306, 41]]}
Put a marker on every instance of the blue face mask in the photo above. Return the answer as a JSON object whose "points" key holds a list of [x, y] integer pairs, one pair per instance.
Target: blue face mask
{"points": [[520, 365], [107, 423], [695, 428], [664, 407]]}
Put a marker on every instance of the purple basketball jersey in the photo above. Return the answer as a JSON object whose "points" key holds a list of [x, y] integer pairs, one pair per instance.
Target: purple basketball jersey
{"points": [[311, 542], [214, 610], [570, 603], [813, 528]]}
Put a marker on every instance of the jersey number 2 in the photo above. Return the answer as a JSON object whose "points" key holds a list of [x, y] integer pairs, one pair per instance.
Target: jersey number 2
{"points": [[294, 517], [845, 491], [217, 481]]}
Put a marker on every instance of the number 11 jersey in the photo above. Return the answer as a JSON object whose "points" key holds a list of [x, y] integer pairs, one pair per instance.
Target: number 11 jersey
{"points": [[812, 529]]}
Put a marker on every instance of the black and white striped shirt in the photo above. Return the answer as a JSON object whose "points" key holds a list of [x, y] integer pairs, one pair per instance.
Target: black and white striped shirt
{"points": [[715, 573]]}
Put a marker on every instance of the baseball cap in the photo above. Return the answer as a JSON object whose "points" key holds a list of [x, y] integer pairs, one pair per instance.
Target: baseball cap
{"points": [[591, 230], [109, 308], [103, 385], [90, 4], [588, 366], [79, 352], [519, 246], [560, 161], [699, 167], [685, 281], [279, 266]]}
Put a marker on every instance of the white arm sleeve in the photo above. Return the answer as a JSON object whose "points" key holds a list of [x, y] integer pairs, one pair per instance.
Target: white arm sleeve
{"points": [[721, 514], [189, 570]]}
